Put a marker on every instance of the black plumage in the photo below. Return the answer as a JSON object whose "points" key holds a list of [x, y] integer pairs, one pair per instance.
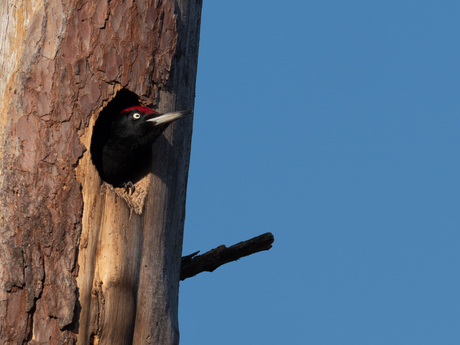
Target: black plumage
{"points": [[129, 145]]}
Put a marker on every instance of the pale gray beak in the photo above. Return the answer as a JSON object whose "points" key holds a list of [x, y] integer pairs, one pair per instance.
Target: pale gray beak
{"points": [[168, 117]]}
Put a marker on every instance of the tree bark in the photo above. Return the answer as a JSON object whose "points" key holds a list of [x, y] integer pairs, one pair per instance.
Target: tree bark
{"points": [[80, 261]]}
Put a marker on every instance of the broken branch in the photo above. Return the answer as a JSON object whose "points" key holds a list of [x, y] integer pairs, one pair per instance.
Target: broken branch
{"points": [[192, 265]]}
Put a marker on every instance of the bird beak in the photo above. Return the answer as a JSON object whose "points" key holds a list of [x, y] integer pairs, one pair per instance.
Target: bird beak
{"points": [[168, 117]]}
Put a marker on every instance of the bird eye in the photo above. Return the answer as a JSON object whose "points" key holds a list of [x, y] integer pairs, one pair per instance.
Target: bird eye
{"points": [[136, 116]]}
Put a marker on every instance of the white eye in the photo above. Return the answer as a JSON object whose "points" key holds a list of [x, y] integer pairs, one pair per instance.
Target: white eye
{"points": [[136, 116]]}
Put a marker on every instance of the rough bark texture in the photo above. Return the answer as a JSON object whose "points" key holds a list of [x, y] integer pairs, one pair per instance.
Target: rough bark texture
{"points": [[79, 263]]}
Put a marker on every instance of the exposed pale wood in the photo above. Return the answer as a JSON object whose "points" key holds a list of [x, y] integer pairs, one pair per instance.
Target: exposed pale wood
{"points": [[209, 261], [77, 262]]}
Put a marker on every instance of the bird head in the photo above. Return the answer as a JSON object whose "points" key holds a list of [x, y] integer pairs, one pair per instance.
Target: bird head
{"points": [[143, 122]]}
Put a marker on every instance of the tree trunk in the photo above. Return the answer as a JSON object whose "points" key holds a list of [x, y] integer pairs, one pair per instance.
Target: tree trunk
{"points": [[80, 261]]}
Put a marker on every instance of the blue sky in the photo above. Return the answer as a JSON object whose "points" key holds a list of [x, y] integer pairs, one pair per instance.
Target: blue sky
{"points": [[335, 126]]}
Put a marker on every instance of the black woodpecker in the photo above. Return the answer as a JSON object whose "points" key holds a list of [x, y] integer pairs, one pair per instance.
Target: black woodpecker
{"points": [[129, 147]]}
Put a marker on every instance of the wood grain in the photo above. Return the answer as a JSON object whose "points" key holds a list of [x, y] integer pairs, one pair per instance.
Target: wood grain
{"points": [[78, 263]]}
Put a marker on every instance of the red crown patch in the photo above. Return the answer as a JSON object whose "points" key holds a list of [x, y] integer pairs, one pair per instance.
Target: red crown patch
{"points": [[140, 108]]}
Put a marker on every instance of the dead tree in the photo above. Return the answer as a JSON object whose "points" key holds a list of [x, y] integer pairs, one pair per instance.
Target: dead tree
{"points": [[82, 262]]}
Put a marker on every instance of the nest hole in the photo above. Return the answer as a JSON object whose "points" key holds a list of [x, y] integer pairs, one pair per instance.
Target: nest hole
{"points": [[101, 131]]}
